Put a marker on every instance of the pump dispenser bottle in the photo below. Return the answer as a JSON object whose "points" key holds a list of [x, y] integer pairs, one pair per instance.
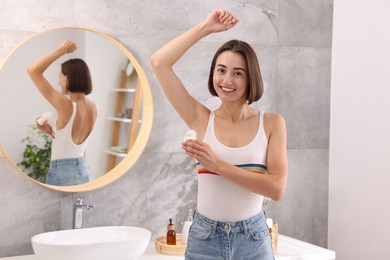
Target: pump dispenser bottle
{"points": [[171, 234], [186, 227]]}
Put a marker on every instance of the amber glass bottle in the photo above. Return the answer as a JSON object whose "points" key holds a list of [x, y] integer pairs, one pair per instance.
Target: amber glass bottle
{"points": [[171, 234]]}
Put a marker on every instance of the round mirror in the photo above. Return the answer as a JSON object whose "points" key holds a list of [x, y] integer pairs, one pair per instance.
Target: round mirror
{"points": [[120, 89]]}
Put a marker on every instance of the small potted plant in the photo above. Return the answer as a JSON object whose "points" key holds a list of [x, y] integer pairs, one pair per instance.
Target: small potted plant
{"points": [[36, 155]]}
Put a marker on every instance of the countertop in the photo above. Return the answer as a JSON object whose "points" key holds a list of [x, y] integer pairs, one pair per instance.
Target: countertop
{"points": [[288, 249]]}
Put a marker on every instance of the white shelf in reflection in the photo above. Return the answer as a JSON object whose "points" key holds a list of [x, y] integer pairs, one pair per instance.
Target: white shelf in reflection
{"points": [[123, 120], [129, 90], [116, 154]]}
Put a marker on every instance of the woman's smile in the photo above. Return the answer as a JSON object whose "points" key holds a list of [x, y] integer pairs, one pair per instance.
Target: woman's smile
{"points": [[226, 89]]}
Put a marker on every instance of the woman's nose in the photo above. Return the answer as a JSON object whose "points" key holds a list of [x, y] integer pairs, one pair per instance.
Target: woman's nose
{"points": [[227, 78]]}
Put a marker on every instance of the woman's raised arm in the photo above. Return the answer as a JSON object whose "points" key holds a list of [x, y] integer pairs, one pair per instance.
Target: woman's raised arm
{"points": [[36, 70], [164, 59]]}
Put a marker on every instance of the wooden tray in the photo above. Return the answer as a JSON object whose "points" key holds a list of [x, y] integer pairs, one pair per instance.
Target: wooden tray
{"points": [[162, 247], [274, 237]]}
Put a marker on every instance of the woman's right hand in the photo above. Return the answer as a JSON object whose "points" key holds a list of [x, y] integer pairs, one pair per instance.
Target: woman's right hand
{"points": [[68, 46], [220, 20], [46, 128]]}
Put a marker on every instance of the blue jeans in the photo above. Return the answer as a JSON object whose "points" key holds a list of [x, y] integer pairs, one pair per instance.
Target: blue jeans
{"points": [[66, 172], [241, 240]]}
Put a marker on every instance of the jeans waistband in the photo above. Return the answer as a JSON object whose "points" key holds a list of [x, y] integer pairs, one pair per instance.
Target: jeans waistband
{"points": [[67, 161], [232, 226]]}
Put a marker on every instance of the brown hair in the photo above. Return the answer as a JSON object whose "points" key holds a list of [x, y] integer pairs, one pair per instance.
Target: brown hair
{"points": [[78, 76], [255, 87]]}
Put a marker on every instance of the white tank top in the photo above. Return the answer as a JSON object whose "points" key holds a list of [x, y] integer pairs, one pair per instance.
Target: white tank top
{"points": [[220, 199], [62, 146]]}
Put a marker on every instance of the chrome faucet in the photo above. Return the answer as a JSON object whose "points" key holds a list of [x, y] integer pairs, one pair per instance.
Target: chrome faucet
{"points": [[78, 209]]}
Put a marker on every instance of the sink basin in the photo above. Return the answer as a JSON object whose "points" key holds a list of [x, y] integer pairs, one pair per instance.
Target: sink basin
{"points": [[97, 243]]}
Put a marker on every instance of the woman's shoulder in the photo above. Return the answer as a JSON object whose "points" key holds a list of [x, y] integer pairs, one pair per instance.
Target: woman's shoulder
{"points": [[273, 121], [93, 108], [272, 116]]}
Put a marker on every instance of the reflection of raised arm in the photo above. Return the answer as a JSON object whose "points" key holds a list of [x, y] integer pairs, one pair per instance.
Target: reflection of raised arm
{"points": [[164, 59], [36, 70]]}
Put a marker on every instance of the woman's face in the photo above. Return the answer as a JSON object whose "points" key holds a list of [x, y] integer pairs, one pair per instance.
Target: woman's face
{"points": [[62, 81], [230, 77]]}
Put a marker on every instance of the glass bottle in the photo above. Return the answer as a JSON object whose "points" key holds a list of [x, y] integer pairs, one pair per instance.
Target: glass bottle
{"points": [[171, 234]]}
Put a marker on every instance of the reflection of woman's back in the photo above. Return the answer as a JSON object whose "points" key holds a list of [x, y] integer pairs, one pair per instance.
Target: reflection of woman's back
{"points": [[76, 116], [68, 143], [68, 166]]}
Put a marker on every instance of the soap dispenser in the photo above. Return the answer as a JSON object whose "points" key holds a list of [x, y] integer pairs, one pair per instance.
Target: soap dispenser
{"points": [[186, 227], [171, 234]]}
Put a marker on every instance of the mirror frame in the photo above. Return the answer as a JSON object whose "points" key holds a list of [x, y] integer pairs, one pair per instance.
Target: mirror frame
{"points": [[140, 143]]}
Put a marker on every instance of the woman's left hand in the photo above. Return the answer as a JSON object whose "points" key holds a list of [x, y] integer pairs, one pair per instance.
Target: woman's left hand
{"points": [[68, 46], [201, 152], [221, 20]]}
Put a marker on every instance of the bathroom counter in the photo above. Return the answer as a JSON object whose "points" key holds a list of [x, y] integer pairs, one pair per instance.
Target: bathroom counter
{"points": [[288, 249]]}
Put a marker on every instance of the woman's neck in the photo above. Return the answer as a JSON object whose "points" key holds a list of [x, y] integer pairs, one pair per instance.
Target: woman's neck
{"points": [[77, 97], [234, 113]]}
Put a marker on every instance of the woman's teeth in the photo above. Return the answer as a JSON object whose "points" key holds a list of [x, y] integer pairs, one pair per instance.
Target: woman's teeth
{"points": [[227, 89]]}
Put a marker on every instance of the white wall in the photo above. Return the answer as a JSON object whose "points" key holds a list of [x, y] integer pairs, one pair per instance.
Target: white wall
{"points": [[359, 178], [105, 70]]}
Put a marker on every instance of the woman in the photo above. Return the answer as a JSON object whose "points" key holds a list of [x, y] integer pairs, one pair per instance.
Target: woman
{"points": [[76, 115], [240, 152]]}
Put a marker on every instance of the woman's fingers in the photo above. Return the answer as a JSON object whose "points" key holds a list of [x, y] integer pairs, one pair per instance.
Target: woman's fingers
{"points": [[226, 17], [196, 149], [69, 46]]}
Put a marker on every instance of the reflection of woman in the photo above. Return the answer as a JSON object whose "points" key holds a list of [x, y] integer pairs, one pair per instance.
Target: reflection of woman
{"points": [[240, 151], [76, 115]]}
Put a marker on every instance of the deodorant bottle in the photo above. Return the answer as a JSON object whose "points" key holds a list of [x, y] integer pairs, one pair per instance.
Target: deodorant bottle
{"points": [[44, 118]]}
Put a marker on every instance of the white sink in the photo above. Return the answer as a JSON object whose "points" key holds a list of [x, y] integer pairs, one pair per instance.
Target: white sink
{"points": [[97, 243]]}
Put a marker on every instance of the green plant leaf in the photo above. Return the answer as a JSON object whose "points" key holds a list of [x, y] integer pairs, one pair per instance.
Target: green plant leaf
{"points": [[36, 156]]}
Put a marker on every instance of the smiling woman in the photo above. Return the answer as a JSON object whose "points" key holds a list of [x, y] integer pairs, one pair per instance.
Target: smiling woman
{"points": [[108, 60]]}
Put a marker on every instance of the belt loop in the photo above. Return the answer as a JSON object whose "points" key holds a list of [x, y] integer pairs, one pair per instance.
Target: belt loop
{"points": [[245, 227], [214, 230], [194, 212]]}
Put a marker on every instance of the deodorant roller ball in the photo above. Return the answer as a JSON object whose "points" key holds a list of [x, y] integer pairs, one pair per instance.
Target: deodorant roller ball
{"points": [[171, 234], [190, 134]]}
